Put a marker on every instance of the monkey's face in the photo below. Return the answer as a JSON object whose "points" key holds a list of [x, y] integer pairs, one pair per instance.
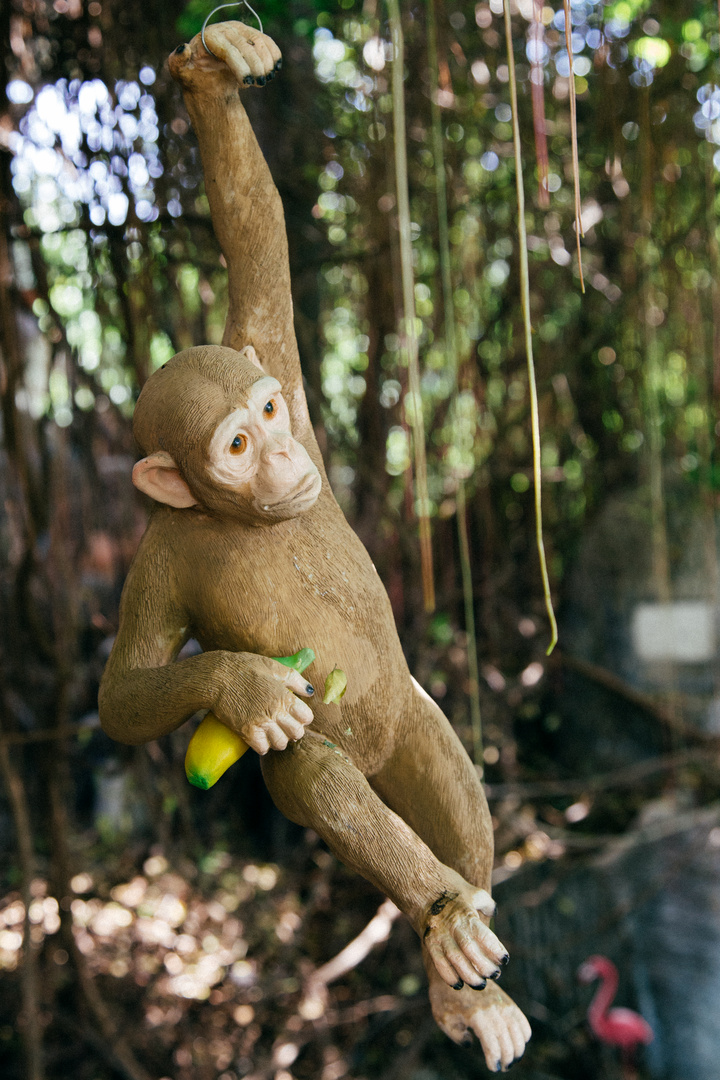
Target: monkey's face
{"points": [[220, 435], [255, 460]]}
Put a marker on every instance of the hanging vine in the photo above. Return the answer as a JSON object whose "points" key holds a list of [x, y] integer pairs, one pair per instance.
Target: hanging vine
{"points": [[525, 298], [573, 136], [452, 361], [409, 328]]}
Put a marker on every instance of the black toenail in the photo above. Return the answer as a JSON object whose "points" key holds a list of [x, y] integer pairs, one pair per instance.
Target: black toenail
{"points": [[279, 64], [248, 80], [498, 1067], [505, 959], [458, 985], [480, 985], [262, 80], [496, 974]]}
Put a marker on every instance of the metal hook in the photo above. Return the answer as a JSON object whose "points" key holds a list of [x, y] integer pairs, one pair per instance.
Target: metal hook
{"points": [[219, 8]]}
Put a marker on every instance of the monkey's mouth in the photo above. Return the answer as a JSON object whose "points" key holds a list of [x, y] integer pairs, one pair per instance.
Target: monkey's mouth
{"points": [[308, 489], [302, 498]]}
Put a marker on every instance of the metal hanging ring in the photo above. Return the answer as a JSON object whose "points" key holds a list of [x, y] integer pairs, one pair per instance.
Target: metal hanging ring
{"points": [[219, 8]]}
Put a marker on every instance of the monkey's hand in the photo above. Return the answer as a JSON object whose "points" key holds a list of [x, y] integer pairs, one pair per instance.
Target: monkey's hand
{"points": [[462, 947], [251, 57], [256, 699]]}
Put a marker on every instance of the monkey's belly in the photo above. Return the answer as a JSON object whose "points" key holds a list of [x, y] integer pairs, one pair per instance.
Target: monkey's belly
{"points": [[331, 600]]}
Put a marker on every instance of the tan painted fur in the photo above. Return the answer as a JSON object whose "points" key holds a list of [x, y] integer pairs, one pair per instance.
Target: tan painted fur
{"points": [[397, 797]]}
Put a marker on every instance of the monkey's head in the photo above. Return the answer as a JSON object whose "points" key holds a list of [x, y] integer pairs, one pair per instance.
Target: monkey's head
{"points": [[216, 432]]}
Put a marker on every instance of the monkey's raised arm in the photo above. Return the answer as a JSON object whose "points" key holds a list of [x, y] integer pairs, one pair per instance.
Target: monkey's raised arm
{"points": [[245, 205]]}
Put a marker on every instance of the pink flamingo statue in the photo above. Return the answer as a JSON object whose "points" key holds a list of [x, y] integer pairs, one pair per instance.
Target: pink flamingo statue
{"points": [[614, 1027]]}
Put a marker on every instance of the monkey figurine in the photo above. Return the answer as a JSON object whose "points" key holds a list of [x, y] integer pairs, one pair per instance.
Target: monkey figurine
{"points": [[249, 553]]}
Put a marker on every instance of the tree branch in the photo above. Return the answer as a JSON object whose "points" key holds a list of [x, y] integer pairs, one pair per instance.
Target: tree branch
{"points": [[627, 776], [607, 679], [29, 972]]}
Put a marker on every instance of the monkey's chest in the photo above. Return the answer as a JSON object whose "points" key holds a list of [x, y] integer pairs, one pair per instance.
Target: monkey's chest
{"points": [[253, 601], [329, 599]]}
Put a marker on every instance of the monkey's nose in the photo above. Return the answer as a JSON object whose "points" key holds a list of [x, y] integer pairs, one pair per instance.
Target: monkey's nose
{"points": [[280, 446]]}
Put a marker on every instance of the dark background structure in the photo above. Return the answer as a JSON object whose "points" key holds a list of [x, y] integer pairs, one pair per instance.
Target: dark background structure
{"points": [[149, 930]]}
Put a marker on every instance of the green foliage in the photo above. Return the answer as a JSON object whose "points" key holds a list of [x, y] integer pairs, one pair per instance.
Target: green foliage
{"points": [[275, 14], [131, 274], [113, 266]]}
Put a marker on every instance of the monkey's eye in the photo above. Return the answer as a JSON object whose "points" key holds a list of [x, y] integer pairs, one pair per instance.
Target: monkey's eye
{"points": [[238, 445], [270, 408]]}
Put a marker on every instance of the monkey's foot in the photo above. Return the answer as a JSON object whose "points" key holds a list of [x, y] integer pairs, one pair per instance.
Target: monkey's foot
{"points": [[455, 936], [252, 57], [490, 1014]]}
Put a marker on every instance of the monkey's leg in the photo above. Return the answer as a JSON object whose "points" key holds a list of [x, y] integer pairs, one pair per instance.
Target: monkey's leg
{"points": [[431, 782], [315, 785]]}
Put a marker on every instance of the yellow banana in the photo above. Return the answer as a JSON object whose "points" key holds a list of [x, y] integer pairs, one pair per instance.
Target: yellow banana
{"points": [[211, 751], [214, 747]]}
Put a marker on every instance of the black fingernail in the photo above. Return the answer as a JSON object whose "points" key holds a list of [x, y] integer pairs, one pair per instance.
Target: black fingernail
{"points": [[458, 985], [310, 689], [248, 80], [262, 80], [481, 985]]}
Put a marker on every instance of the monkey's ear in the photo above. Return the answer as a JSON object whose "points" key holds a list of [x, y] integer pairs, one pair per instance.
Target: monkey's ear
{"points": [[159, 477], [249, 353]]}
